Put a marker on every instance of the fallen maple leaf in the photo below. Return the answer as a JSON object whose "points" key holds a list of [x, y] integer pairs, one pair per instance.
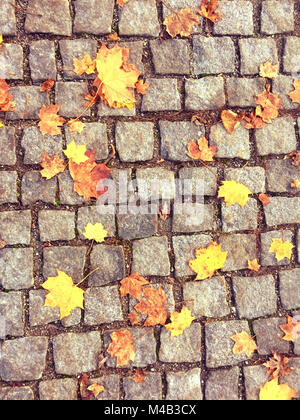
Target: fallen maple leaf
{"points": [[132, 285], [63, 294], [139, 376], [244, 343], [269, 70], [50, 121], [154, 306], [85, 65], [295, 184], [201, 151], [208, 9], [233, 192], [253, 121], [47, 85], [230, 120], [182, 22], [208, 260], [179, 321], [278, 365], [264, 199], [253, 265], [76, 153], [134, 317], [122, 347], [269, 105], [272, 391], [52, 166], [76, 126], [96, 389], [6, 103], [282, 249], [295, 95], [291, 329], [141, 87], [95, 232]]}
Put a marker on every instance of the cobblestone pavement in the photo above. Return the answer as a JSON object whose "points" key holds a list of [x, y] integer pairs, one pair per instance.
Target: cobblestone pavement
{"points": [[42, 221]]}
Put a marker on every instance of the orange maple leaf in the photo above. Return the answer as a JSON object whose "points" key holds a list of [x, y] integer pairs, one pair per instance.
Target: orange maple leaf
{"points": [[122, 347], [230, 120], [291, 329], [244, 343], [139, 376], [52, 166], [264, 199], [208, 9], [50, 121], [133, 285], [201, 151], [134, 317], [153, 306], [182, 22], [295, 96], [278, 365], [114, 37], [253, 265], [85, 65], [47, 85], [141, 87], [5, 98], [269, 105], [76, 126], [253, 121], [122, 2]]}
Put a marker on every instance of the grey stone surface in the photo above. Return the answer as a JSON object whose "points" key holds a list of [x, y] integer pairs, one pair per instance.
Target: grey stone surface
{"points": [[54, 18], [194, 217], [136, 52], [290, 288], [255, 378], [282, 210], [91, 215], [280, 174], [269, 335], [15, 227], [111, 261], [23, 393], [150, 257], [76, 48], [184, 385], [149, 389], [293, 379], [23, 359], [67, 195], [175, 136], [11, 309], [42, 60], [93, 16], [282, 86], [155, 183], [223, 385], [235, 145], [267, 257], [241, 248], [236, 218], [16, 268], [219, 345], [135, 141], [170, 56], [30, 100], [197, 176], [35, 188], [139, 17], [111, 384], [94, 136], [8, 146], [255, 52], [236, 18], [277, 17], [8, 189], [207, 298], [276, 138], [182, 348], [162, 95], [70, 97], [213, 55], [242, 91], [291, 54], [102, 305], [35, 145], [8, 18], [11, 61], [137, 226], [204, 94], [56, 225], [58, 390], [253, 177], [255, 296]]}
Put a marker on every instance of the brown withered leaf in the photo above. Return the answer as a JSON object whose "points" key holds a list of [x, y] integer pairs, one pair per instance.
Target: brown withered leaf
{"points": [[201, 151], [122, 347], [134, 317], [182, 22], [50, 121], [253, 121], [269, 105], [2, 244], [278, 365], [264, 199], [52, 166], [133, 285], [291, 329], [47, 85], [139, 376], [208, 9], [154, 306]]}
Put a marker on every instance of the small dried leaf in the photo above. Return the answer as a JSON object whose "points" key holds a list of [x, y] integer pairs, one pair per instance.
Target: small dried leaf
{"points": [[208, 9], [96, 389], [122, 347], [182, 22], [244, 343], [253, 265], [269, 70], [291, 329], [264, 199], [132, 285], [76, 126], [52, 166], [50, 121], [201, 151], [278, 365], [230, 120], [139, 376], [47, 85]]}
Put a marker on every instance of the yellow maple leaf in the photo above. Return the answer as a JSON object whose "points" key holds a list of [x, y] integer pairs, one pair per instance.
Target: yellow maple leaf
{"points": [[95, 232], [295, 184], [52, 166], [85, 65], [253, 265], [1, 125], [208, 260], [272, 391], [244, 343], [233, 192], [63, 294], [282, 249], [1, 39], [269, 70], [179, 321], [76, 126], [96, 389], [76, 152]]}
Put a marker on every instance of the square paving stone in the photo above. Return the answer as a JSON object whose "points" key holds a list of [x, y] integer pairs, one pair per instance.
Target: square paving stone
{"points": [[91, 214], [207, 298], [255, 52], [267, 257], [35, 145], [162, 95], [236, 217], [241, 248], [282, 86], [242, 91], [184, 385], [280, 174], [204, 94], [139, 17], [137, 226], [102, 305], [8, 189], [276, 138], [58, 390], [135, 141], [291, 54], [16, 268], [136, 52], [76, 48], [193, 217], [149, 389], [111, 384], [42, 60], [223, 385], [184, 250], [255, 296], [236, 18], [213, 55], [7, 146], [150, 257], [30, 100], [56, 225], [155, 183], [293, 379], [54, 18], [219, 345], [11, 61], [145, 346], [67, 195], [23, 393], [277, 17], [8, 23], [269, 336], [70, 98], [255, 378], [252, 177], [35, 188], [175, 136], [290, 288], [94, 136], [282, 210], [15, 227], [23, 359], [111, 260], [76, 353], [170, 56], [93, 16], [236, 145], [182, 348], [11, 309], [200, 175]]}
